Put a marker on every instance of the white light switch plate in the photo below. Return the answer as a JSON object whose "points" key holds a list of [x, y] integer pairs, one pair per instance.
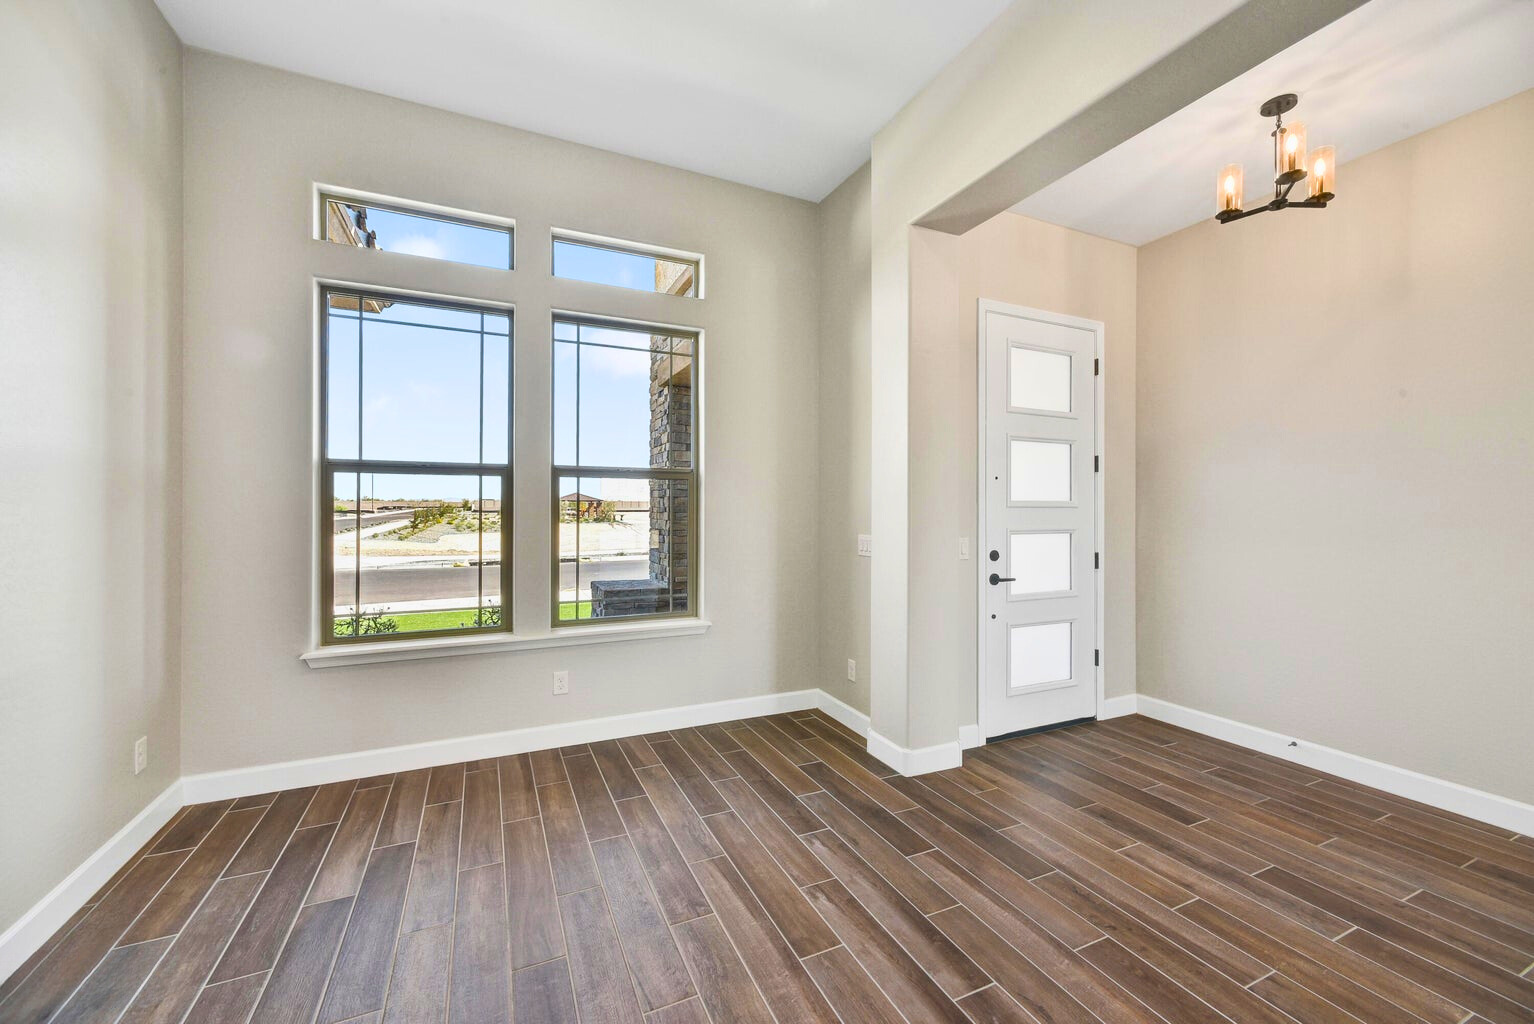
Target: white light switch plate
{"points": [[865, 545], [963, 549], [852, 670], [561, 682], [140, 755]]}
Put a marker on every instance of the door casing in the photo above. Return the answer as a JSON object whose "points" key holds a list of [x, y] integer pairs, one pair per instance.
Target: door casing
{"points": [[1099, 378]]}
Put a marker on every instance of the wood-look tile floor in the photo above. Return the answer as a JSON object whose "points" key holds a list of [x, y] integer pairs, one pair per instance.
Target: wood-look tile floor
{"points": [[770, 870]]}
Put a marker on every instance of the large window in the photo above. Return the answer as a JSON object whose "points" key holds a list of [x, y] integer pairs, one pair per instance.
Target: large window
{"points": [[416, 474], [624, 499]]}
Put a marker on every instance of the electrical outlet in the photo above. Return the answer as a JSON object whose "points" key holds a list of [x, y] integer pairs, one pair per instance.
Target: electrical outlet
{"points": [[865, 545], [963, 549], [852, 670], [561, 682], [140, 755]]}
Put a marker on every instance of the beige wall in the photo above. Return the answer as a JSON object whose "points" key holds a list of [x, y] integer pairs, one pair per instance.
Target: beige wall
{"points": [[256, 140], [1028, 263], [90, 293], [844, 452], [1336, 444]]}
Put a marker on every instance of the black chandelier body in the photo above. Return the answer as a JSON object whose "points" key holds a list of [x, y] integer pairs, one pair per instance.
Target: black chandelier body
{"points": [[1290, 167]]}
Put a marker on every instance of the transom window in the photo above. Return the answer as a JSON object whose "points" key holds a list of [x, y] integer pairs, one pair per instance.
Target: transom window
{"points": [[625, 490], [395, 227], [626, 265], [416, 465]]}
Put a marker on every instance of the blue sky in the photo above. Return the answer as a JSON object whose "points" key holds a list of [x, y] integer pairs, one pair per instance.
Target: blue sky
{"points": [[421, 365]]}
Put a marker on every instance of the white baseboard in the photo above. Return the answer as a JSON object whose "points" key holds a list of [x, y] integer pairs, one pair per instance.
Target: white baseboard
{"points": [[843, 712], [915, 761], [1403, 782], [49, 914], [363, 763], [1116, 707], [970, 738]]}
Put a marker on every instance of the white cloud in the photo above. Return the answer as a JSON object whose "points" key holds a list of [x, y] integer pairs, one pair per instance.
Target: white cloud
{"points": [[418, 245]]}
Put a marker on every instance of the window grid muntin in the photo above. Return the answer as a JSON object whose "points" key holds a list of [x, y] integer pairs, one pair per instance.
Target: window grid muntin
{"points": [[329, 467]]}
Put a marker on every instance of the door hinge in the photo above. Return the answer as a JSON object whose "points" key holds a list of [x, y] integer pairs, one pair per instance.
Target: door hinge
{"points": [[1097, 559], [1097, 656], [1097, 463], [1097, 367]]}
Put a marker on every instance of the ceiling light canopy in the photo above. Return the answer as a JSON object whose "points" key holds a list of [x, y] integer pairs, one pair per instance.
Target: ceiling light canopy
{"points": [[1290, 167]]}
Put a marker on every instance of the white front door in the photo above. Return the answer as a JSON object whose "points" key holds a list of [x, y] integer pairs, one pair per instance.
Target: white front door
{"points": [[1039, 555]]}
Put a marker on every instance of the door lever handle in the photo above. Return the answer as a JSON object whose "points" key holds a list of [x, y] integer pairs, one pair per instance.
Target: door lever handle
{"points": [[995, 579]]}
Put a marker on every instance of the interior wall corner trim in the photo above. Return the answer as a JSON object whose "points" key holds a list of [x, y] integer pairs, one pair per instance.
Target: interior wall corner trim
{"points": [[27, 935]]}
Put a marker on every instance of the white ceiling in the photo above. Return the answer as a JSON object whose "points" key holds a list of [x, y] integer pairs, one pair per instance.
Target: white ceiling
{"points": [[781, 94], [1385, 72]]}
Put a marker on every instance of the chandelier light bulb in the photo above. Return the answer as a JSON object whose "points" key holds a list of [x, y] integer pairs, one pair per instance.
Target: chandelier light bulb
{"points": [[1228, 189]]}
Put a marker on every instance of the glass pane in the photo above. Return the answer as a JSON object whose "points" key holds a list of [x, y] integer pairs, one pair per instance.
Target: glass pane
{"points": [[496, 428], [1039, 654], [422, 548], [1038, 471], [564, 403], [1038, 380], [420, 393], [417, 234], [648, 273], [342, 328], [624, 547], [1040, 563], [490, 559], [348, 513], [635, 408]]}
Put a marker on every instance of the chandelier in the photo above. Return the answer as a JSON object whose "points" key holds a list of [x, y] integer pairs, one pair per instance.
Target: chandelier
{"points": [[1290, 167]]}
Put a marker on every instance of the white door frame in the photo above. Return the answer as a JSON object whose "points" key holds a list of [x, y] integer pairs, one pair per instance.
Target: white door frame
{"points": [[1044, 316]]}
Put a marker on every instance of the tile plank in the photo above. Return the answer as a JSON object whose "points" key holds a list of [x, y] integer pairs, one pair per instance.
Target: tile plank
{"points": [[804, 929], [361, 973], [519, 797], [106, 992], [481, 974], [481, 842], [418, 989], [347, 858], [402, 814], [265, 844], [569, 851], [173, 987], [778, 974], [601, 983], [850, 990], [445, 783], [433, 891], [260, 936], [692, 837], [298, 980], [676, 890], [724, 985], [597, 811], [174, 904], [659, 974], [615, 769], [329, 803], [532, 910], [543, 995]]}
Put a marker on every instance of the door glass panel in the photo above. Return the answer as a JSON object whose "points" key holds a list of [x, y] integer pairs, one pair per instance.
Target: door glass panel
{"points": [[1040, 563], [1038, 470], [1038, 380], [1039, 654]]}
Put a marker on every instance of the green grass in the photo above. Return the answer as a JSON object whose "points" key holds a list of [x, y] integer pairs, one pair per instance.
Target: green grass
{"points": [[463, 618], [453, 618]]}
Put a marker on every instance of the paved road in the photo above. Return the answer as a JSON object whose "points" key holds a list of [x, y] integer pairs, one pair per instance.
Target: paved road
{"points": [[435, 582], [370, 519]]}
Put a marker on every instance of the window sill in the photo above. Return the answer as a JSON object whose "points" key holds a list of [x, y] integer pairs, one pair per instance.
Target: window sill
{"points": [[453, 646]]}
